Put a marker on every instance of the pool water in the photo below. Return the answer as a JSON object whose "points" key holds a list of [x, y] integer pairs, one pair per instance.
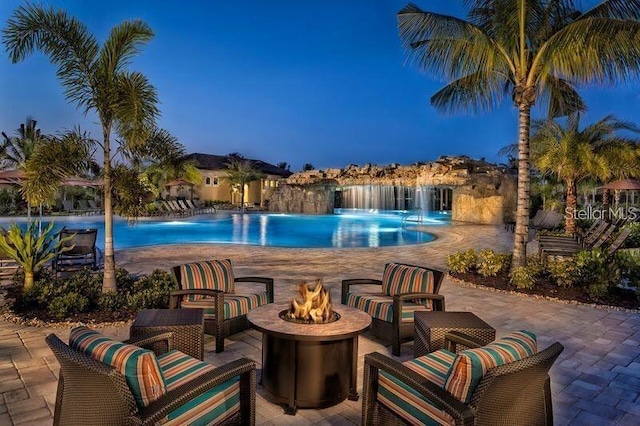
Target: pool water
{"points": [[343, 230]]}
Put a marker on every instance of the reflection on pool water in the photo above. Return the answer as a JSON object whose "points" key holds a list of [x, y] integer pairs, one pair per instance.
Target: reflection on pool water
{"points": [[344, 229]]}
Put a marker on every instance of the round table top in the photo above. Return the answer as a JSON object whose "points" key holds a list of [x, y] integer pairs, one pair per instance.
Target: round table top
{"points": [[266, 319]]}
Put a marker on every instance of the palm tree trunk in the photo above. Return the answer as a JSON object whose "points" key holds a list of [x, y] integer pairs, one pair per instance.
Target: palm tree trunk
{"points": [[28, 280], [242, 196], [606, 201], [521, 234], [109, 281], [572, 203]]}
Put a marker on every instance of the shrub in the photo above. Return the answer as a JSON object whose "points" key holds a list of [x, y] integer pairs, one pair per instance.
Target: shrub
{"points": [[562, 271], [535, 265], [522, 277], [595, 268], [68, 304], [462, 262], [629, 263], [633, 240], [490, 264]]}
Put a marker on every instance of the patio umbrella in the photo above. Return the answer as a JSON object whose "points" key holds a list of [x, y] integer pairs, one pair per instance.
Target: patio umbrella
{"points": [[626, 184]]}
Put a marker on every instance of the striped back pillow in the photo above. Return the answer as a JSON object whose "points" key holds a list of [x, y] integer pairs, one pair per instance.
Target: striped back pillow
{"points": [[139, 366], [398, 278], [472, 364], [209, 275]]}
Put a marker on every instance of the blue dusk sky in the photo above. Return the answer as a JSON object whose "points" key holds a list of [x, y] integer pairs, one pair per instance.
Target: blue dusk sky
{"points": [[317, 81]]}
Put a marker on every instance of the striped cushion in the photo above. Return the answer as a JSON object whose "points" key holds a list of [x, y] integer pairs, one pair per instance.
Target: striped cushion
{"points": [[235, 305], [139, 366], [398, 279], [381, 307], [210, 275], [212, 407], [472, 364], [409, 404]]}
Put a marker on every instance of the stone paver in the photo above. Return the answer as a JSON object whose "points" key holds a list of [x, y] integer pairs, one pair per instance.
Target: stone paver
{"points": [[595, 381]]}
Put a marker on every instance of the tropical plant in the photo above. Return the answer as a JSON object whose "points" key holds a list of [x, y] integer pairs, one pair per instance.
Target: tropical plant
{"points": [[96, 78], [16, 150], [530, 50], [239, 173], [132, 192], [161, 159], [522, 277], [575, 154], [307, 166], [284, 165], [490, 263], [31, 249], [462, 262], [68, 154]]}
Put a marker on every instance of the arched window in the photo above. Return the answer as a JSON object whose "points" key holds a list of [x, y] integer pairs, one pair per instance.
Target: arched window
{"points": [[215, 181], [207, 181]]}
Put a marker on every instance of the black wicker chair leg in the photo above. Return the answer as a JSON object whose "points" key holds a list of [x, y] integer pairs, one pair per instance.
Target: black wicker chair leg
{"points": [[369, 393]]}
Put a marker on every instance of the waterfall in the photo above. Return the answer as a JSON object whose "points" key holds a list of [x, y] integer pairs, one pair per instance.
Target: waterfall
{"points": [[424, 195], [380, 197]]}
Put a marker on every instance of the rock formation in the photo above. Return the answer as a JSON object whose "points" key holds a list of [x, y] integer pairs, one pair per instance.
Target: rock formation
{"points": [[482, 192]]}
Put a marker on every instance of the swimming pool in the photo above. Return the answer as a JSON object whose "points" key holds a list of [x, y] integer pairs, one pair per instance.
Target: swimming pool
{"points": [[343, 230]]}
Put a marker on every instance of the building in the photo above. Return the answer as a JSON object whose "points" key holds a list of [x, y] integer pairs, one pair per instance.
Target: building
{"points": [[214, 187]]}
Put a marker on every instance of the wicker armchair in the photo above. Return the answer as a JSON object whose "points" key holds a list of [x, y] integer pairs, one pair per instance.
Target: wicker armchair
{"points": [[219, 302], [392, 311], [93, 393], [517, 393]]}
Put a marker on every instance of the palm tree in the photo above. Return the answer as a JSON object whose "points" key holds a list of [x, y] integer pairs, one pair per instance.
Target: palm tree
{"points": [[239, 173], [96, 78], [531, 50], [307, 166], [574, 155], [161, 159], [15, 151]]}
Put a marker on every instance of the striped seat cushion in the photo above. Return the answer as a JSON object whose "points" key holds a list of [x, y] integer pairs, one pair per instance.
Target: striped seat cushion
{"points": [[472, 364], [209, 275], [381, 307], [409, 404], [212, 407], [398, 278], [235, 305], [139, 366]]}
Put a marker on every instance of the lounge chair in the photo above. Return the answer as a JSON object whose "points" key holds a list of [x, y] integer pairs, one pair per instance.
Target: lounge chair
{"points": [[186, 209], [504, 383], [83, 253], [107, 382], [93, 206], [404, 289], [566, 251], [210, 285]]}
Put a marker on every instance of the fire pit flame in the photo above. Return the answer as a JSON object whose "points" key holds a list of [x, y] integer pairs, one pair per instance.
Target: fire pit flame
{"points": [[314, 307]]}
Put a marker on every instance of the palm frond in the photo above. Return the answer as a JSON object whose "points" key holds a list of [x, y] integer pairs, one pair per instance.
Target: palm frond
{"points": [[64, 39], [594, 50], [617, 9], [477, 92], [134, 107], [446, 45], [561, 97], [123, 43]]}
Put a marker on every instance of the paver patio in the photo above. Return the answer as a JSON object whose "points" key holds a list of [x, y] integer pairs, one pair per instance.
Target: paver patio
{"points": [[596, 380]]}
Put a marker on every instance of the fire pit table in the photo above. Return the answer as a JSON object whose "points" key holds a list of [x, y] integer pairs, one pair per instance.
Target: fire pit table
{"points": [[309, 365]]}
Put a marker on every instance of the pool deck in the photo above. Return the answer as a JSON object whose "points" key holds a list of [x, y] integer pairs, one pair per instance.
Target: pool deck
{"points": [[596, 380]]}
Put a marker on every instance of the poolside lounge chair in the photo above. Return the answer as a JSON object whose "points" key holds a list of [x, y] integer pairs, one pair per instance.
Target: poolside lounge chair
{"points": [[83, 253], [404, 289], [8, 267], [186, 209], [565, 251], [504, 383], [106, 382], [210, 285]]}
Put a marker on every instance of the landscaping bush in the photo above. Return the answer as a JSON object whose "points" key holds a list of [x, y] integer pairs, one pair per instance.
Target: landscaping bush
{"points": [[597, 270], [522, 277], [82, 293], [462, 261], [534, 265], [633, 240], [490, 264], [562, 271]]}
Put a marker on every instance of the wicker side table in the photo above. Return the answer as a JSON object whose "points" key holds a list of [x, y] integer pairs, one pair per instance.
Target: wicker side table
{"points": [[431, 327], [187, 326]]}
